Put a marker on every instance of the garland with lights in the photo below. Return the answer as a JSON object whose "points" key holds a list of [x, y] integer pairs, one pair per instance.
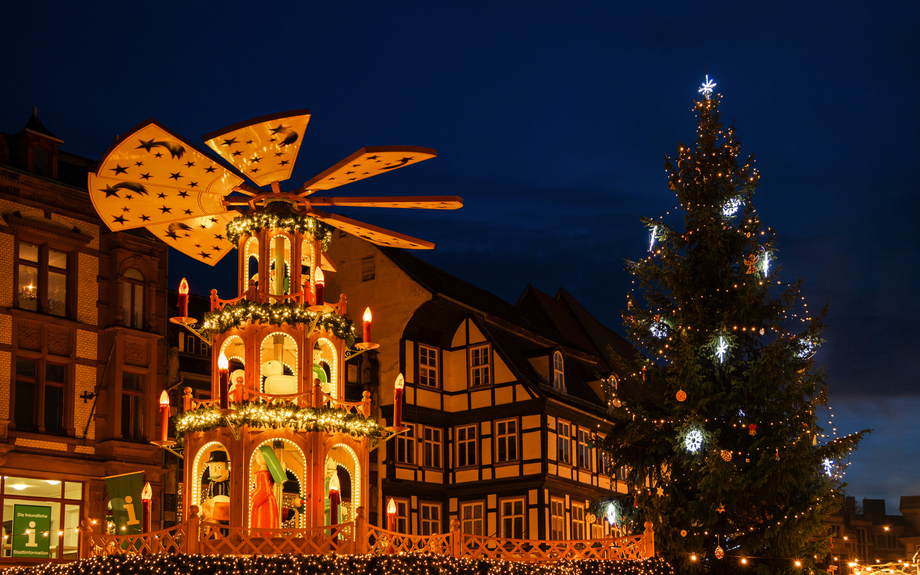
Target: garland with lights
{"points": [[414, 564], [295, 223], [278, 416], [235, 315]]}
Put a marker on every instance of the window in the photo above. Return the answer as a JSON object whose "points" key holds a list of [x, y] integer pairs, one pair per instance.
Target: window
{"points": [[402, 516], [63, 505], [471, 518], [506, 440], [578, 522], [39, 396], [132, 406], [479, 365], [613, 399], [427, 366], [622, 473], [603, 461], [597, 530], [431, 447], [431, 518], [42, 279], [368, 270], [557, 519], [134, 299], [466, 446], [405, 446], [558, 372], [564, 442], [584, 449], [512, 518]]}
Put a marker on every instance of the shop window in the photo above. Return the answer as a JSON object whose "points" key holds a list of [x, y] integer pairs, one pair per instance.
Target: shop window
{"points": [[471, 518], [430, 518], [42, 279], [427, 366], [56, 507], [132, 406], [402, 516], [466, 446], [480, 366], [133, 298], [506, 441], [512, 518], [39, 396], [557, 519]]}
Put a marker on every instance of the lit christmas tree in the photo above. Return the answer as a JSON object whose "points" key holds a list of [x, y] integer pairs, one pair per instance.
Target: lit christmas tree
{"points": [[721, 442]]}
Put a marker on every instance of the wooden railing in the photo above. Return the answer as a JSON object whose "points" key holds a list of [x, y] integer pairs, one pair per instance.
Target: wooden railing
{"points": [[314, 398], [300, 298], [359, 538]]}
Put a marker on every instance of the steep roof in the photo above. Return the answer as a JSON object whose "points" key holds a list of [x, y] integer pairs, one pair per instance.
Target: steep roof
{"points": [[533, 328]]}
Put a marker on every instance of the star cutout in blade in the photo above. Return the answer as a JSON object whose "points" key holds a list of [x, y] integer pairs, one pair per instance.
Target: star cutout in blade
{"points": [[205, 255], [110, 191], [145, 218], [183, 194], [161, 195], [189, 212], [209, 170], [146, 176], [172, 235], [119, 220], [190, 164], [229, 142], [119, 170], [166, 210], [175, 175]]}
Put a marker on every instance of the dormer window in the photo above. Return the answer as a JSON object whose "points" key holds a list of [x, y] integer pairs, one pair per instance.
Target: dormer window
{"points": [[558, 372]]}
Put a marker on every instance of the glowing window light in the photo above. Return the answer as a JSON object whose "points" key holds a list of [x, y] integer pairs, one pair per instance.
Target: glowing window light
{"points": [[731, 207], [694, 440], [18, 486]]}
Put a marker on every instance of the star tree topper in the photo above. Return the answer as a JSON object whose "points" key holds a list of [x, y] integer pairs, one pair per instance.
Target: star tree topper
{"points": [[706, 90]]}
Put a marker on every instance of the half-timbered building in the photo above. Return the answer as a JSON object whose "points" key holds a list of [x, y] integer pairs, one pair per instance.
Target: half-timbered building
{"points": [[502, 402]]}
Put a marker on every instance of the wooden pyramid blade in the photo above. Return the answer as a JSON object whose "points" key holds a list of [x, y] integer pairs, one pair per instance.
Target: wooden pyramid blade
{"points": [[152, 176], [409, 202], [373, 234], [264, 148], [204, 238], [365, 163]]}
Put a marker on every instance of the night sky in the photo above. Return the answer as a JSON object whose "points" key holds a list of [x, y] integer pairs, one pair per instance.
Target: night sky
{"points": [[552, 123]]}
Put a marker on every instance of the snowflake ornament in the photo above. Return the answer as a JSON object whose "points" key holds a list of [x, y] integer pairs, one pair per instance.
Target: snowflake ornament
{"points": [[706, 90], [693, 441], [722, 349], [829, 467], [731, 207]]}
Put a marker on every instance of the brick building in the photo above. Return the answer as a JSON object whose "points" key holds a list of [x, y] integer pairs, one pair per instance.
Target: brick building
{"points": [[82, 322]]}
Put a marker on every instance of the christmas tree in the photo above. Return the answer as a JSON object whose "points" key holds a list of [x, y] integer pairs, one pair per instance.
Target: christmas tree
{"points": [[721, 441]]}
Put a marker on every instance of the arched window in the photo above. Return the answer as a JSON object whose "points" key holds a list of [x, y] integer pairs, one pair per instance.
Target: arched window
{"points": [[134, 298], [558, 371]]}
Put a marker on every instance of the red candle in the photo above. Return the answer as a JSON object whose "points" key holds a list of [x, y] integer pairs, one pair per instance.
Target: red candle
{"points": [[391, 515], [183, 298], [319, 285], [367, 325], [146, 498], [334, 488], [398, 400], [223, 367], [164, 415]]}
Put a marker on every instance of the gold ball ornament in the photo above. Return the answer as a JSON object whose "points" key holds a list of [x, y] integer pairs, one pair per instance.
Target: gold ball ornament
{"points": [[719, 553], [681, 395], [726, 455], [683, 532]]}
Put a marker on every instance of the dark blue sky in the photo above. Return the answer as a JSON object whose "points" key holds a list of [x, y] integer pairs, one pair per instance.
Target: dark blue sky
{"points": [[552, 123]]}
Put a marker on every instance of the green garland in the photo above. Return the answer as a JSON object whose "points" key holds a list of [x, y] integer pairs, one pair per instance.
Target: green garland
{"points": [[251, 223], [278, 416], [403, 564], [234, 315]]}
